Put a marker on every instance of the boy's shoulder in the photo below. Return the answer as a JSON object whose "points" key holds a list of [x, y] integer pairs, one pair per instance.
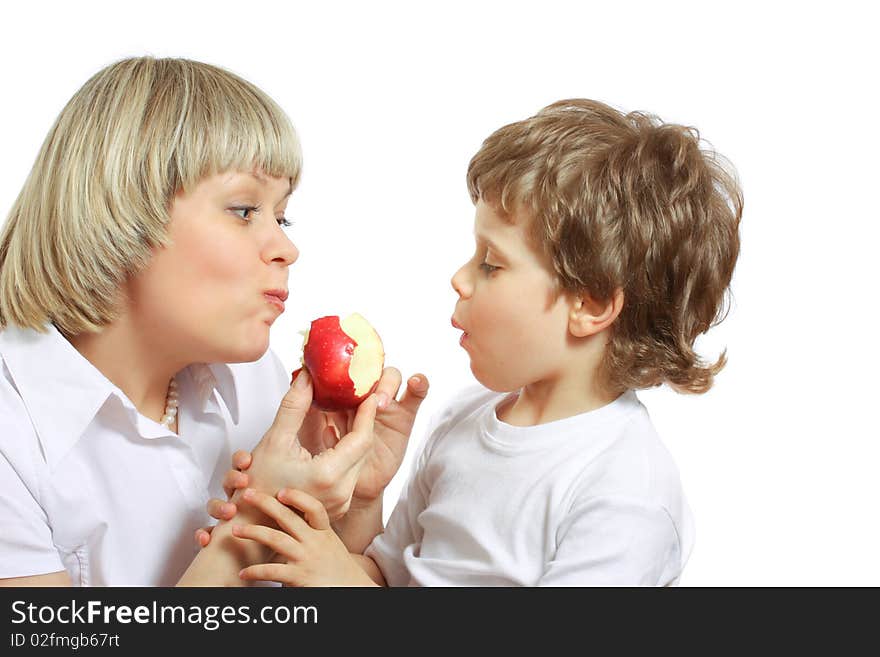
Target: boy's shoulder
{"points": [[637, 463]]}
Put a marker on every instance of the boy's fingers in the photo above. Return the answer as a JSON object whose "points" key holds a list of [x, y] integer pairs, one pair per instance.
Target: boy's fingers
{"points": [[389, 384], [314, 512], [220, 510], [272, 538], [286, 519], [416, 391], [241, 460], [268, 572], [203, 536], [233, 480]]}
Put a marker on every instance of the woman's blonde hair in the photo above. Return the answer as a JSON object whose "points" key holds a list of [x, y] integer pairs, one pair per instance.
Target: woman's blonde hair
{"points": [[625, 201], [96, 202]]}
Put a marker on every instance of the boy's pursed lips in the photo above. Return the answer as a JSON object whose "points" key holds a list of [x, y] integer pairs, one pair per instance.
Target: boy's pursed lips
{"points": [[464, 335]]}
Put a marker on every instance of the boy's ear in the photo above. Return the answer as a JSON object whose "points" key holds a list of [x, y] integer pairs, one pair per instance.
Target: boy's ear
{"points": [[588, 316]]}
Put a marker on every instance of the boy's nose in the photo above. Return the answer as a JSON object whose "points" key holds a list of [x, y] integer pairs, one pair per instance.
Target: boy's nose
{"points": [[460, 282]]}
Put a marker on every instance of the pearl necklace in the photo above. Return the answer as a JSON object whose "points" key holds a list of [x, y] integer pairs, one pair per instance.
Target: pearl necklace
{"points": [[171, 403]]}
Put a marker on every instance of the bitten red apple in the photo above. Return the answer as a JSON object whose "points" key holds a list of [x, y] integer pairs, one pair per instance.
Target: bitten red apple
{"points": [[345, 358]]}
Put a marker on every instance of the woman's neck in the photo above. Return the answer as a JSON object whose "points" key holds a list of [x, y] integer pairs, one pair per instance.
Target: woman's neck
{"points": [[134, 361]]}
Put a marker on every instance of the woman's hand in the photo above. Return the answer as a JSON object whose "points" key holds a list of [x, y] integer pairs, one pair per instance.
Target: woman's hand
{"points": [[280, 461], [319, 433], [311, 554], [394, 422]]}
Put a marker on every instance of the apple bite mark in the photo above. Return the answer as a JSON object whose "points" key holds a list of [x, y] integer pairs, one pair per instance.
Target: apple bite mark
{"points": [[345, 359], [368, 357]]}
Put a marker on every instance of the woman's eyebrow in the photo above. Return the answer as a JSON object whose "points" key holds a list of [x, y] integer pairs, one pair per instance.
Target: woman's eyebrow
{"points": [[262, 180]]}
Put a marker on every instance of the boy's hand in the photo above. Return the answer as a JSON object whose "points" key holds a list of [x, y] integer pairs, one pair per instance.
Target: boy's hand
{"points": [[233, 480], [313, 554]]}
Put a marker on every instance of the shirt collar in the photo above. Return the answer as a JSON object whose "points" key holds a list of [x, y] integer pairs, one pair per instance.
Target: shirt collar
{"points": [[63, 392]]}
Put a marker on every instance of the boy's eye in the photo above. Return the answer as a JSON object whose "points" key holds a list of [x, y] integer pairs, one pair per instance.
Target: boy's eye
{"points": [[487, 268]]}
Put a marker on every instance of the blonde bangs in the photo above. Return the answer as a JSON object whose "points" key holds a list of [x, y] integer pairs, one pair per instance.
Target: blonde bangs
{"points": [[248, 130], [96, 203]]}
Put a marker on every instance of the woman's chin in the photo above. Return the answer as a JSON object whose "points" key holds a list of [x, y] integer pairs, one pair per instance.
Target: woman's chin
{"points": [[246, 351]]}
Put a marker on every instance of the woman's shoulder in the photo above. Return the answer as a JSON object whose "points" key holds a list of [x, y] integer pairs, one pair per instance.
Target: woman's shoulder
{"points": [[18, 437]]}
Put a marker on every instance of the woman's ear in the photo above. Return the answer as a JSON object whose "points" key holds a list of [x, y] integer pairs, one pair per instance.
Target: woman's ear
{"points": [[588, 316]]}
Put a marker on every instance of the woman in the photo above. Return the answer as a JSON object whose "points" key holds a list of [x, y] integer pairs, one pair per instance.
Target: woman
{"points": [[141, 269]]}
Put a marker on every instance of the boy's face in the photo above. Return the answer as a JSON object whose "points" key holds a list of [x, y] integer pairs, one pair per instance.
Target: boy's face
{"points": [[515, 323]]}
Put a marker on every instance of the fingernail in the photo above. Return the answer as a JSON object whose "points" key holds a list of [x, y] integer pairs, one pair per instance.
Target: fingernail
{"points": [[383, 399], [248, 493], [301, 379]]}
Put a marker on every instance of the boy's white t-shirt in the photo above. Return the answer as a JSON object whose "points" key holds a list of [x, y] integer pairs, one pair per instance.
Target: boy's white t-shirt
{"points": [[593, 499]]}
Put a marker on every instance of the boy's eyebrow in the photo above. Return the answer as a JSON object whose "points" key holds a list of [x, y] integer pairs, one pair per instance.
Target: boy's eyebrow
{"points": [[490, 245]]}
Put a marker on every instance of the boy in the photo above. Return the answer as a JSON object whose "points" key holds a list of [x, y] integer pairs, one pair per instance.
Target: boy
{"points": [[605, 244]]}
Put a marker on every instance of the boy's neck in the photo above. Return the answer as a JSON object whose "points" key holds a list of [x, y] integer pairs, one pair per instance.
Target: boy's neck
{"points": [[551, 400]]}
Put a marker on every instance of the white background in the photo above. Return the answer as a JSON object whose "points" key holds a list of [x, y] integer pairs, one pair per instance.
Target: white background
{"points": [[391, 100]]}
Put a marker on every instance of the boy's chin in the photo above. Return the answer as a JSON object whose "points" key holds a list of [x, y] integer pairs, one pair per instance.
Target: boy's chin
{"points": [[493, 382]]}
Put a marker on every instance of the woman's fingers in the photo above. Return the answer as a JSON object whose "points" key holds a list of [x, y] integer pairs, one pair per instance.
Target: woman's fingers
{"points": [[330, 434], [294, 406], [314, 512], [352, 447]]}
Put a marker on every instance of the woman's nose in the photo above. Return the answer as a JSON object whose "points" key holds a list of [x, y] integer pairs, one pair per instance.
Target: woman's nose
{"points": [[282, 249]]}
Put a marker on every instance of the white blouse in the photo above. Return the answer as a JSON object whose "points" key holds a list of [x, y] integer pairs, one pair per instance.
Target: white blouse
{"points": [[91, 486]]}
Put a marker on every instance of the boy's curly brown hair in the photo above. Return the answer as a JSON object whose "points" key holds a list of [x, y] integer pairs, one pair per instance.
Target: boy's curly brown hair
{"points": [[625, 201]]}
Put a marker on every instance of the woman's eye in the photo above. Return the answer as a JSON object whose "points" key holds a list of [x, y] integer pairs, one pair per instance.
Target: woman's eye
{"points": [[487, 268], [244, 211], [283, 222]]}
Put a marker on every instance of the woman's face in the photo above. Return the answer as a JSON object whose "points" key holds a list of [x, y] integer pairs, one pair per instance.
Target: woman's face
{"points": [[221, 282]]}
